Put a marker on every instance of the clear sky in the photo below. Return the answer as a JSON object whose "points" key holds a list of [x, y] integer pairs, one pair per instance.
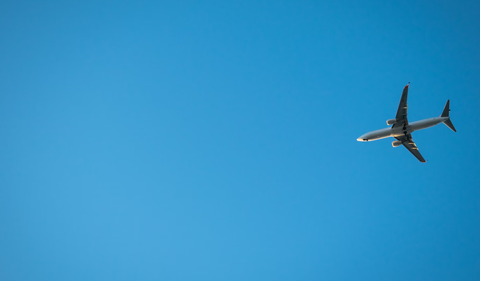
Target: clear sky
{"points": [[216, 140]]}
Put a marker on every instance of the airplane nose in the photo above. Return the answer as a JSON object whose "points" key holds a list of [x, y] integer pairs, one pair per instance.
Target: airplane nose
{"points": [[362, 138]]}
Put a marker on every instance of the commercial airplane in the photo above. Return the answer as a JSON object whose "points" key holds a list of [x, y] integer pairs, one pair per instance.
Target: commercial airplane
{"points": [[402, 130]]}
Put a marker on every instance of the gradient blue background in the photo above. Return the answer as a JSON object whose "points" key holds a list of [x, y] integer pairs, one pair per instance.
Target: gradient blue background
{"points": [[216, 140]]}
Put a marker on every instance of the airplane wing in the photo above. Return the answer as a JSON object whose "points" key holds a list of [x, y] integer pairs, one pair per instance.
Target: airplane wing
{"points": [[407, 141], [402, 110]]}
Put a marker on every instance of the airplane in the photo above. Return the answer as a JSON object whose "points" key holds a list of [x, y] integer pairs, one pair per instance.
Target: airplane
{"points": [[402, 130]]}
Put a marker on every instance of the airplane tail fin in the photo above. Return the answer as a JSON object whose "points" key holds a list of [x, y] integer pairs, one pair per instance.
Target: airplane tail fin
{"points": [[446, 113]]}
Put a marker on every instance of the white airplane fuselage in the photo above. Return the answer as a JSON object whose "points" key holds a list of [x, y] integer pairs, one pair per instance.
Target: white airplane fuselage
{"points": [[399, 131]]}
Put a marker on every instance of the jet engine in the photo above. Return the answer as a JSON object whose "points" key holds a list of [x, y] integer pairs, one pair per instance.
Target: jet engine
{"points": [[391, 121], [396, 143]]}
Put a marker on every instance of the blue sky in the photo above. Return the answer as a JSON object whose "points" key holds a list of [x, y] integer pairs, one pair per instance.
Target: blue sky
{"points": [[216, 140]]}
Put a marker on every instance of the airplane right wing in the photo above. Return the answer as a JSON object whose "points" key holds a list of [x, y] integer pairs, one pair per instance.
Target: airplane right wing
{"points": [[407, 141], [402, 110]]}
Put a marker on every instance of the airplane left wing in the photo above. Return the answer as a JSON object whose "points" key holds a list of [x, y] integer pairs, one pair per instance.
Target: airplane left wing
{"points": [[401, 116], [407, 141]]}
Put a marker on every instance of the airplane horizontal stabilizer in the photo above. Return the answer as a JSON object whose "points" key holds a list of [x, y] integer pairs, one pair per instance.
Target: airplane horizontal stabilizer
{"points": [[446, 110], [449, 124], [446, 113]]}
